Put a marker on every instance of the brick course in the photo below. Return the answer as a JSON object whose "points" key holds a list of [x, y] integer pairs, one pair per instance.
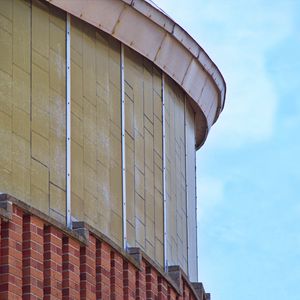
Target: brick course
{"points": [[41, 261]]}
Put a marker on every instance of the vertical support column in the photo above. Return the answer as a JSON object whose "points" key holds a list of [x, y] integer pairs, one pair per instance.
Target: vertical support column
{"points": [[164, 171], [68, 122], [123, 149]]}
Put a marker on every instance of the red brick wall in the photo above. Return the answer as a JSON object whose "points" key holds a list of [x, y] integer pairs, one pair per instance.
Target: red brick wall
{"points": [[40, 261]]}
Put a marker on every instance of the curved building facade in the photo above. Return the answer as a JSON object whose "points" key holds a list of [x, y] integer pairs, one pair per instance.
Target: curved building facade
{"points": [[103, 104]]}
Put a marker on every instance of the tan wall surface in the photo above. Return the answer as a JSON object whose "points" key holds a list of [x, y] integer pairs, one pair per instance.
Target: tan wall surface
{"points": [[143, 115], [32, 104], [33, 131], [175, 175], [96, 129]]}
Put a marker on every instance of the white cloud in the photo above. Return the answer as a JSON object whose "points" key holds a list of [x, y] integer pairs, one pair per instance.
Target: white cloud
{"points": [[238, 35]]}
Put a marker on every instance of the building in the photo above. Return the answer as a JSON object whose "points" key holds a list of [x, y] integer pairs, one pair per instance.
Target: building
{"points": [[103, 104]]}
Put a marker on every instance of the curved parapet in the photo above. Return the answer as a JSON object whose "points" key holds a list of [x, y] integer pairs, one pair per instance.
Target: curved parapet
{"points": [[150, 32]]}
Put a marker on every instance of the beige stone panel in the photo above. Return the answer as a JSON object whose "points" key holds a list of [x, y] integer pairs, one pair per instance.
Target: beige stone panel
{"points": [[138, 104], [114, 52], [6, 9], [115, 149], [150, 250], [130, 234], [116, 187], [39, 176], [5, 180], [57, 39], [58, 199], [76, 83], [140, 208], [139, 151], [140, 233], [158, 178], [116, 231], [40, 28], [158, 160], [77, 129], [58, 114], [40, 88], [159, 252], [77, 207], [40, 60], [149, 181], [39, 199], [76, 34], [149, 202], [5, 24], [129, 156], [130, 203], [115, 104], [21, 34], [104, 223], [148, 125], [57, 72], [159, 216], [128, 89], [90, 180], [21, 88], [148, 95], [129, 120], [102, 60], [157, 103], [57, 162], [77, 110], [89, 121], [89, 64], [6, 141], [89, 153], [148, 150], [40, 122], [129, 142], [20, 182], [157, 135], [150, 234], [77, 169], [139, 182], [57, 17], [21, 123], [75, 58], [5, 93], [157, 80], [40, 148], [91, 209], [114, 130], [103, 192], [6, 51], [21, 151]]}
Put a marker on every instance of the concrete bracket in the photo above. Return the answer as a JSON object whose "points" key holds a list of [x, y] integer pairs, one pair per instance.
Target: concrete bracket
{"points": [[175, 273], [136, 254], [5, 208], [81, 229]]}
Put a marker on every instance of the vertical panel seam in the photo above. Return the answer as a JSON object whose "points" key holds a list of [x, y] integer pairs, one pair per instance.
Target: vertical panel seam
{"points": [[68, 123], [124, 217]]}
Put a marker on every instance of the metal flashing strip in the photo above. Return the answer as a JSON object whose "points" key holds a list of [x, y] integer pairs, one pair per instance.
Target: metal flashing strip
{"points": [[68, 123], [123, 149], [164, 171]]}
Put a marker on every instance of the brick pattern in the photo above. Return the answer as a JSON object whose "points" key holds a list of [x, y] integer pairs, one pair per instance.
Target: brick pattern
{"points": [[38, 261], [33, 258]]}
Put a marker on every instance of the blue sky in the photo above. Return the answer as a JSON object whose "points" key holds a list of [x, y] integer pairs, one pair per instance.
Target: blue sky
{"points": [[248, 171]]}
